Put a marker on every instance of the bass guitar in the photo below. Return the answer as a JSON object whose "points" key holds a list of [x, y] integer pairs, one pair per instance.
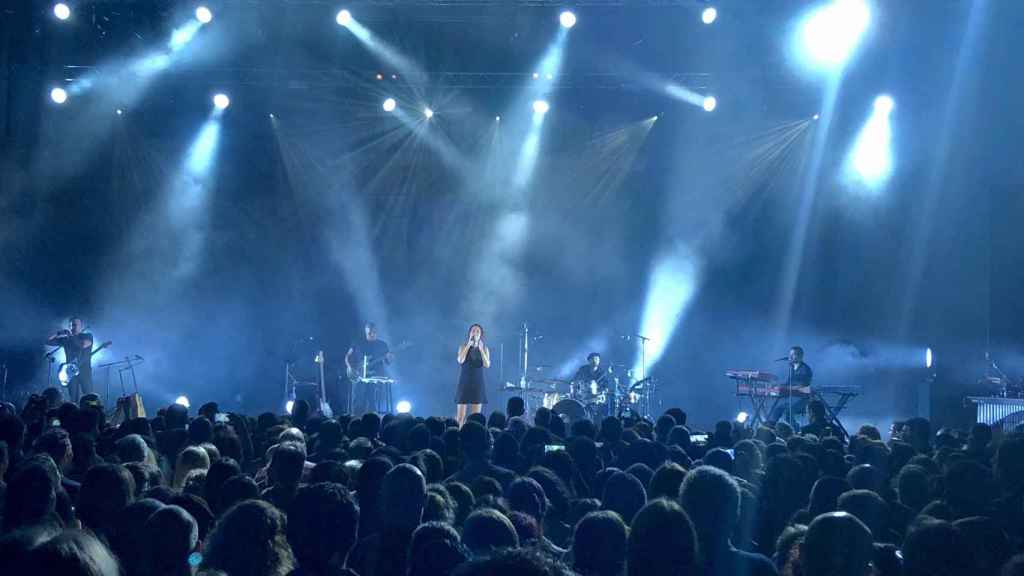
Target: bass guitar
{"points": [[356, 373], [68, 370]]}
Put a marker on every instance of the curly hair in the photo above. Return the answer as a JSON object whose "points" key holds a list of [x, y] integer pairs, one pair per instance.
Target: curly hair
{"points": [[250, 540]]}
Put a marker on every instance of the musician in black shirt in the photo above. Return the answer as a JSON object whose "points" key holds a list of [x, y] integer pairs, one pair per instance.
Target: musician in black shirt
{"points": [[800, 376], [77, 345], [369, 357], [591, 372]]}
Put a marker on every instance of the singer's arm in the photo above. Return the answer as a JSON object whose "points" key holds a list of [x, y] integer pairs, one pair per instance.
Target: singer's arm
{"points": [[463, 352], [485, 353], [57, 338]]}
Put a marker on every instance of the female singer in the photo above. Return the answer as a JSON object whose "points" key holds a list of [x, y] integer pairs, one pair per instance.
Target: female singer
{"points": [[474, 356]]}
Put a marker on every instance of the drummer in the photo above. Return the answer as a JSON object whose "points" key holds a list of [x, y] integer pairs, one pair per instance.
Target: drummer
{"points": [[591, 378]]}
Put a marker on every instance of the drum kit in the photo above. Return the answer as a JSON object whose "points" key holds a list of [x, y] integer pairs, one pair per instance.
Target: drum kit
{"points": [[619, 391], [574, 401]]}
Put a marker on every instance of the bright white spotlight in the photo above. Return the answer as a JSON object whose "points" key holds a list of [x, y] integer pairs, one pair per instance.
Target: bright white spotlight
{"points": [[883, 104], [403, 407], [871, 158], [182, 401], [710, 103], [541, 107], [59, 95], [428, 113], [742, 417], [204, 15], [344, 18], [497, 118], [816, 116], [830, 34], [221, 101], [928, 358], [567, 19], [119, 112], [709, 15], [61, 11], [289, 405], [389, 105]]}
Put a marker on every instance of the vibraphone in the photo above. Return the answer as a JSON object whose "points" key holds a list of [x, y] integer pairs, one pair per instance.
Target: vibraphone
{"points": [[1004, 413]]}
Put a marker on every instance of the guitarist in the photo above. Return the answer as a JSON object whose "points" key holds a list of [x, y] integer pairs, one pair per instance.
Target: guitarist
{"points": [[77, 345], [376, 355]]}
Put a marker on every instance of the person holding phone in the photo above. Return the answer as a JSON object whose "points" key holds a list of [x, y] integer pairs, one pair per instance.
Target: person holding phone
{"points": [[473, 357]]}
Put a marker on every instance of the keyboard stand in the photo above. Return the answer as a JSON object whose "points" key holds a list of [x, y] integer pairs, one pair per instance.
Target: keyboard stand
{"points": [[832, 412]]}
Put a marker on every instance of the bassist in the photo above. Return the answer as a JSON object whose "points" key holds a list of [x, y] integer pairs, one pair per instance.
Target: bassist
{"points": [[367, 357], [77, 345]]}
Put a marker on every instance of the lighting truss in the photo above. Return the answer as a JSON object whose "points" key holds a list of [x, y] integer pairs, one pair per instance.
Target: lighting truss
{"points": [[299, 78]]}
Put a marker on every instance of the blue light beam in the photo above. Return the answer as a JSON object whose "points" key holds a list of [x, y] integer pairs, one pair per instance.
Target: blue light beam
{"points": [[671, 289]]}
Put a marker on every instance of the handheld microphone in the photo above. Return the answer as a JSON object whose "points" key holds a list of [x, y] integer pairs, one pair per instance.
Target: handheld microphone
{"points": [[783, 359]]}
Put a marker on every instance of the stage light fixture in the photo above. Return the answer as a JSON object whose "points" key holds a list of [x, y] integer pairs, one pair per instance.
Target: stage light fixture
{"points": [[390, 104], [272, 116], [380, 76], [119, 111], [204, 15], [344, 18], [871, 158], [428, 113], [182, 401], [567, 19], [549, 76], [497, 118], [883, 104], [221, 101], [289, 405], [62, 11], [59, 95], [742, 417], [708, 15], [816, 116], [831, 33], [928, 358], [536, 75], [710, 103], [403, 407], [541, 106]]}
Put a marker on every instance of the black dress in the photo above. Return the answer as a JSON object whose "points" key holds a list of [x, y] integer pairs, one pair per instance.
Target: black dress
{"points": [[472, 389]]}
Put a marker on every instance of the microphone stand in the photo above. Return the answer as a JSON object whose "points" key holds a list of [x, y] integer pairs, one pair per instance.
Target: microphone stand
{"points": [[49, 372], [789, 394], [643, 354]]}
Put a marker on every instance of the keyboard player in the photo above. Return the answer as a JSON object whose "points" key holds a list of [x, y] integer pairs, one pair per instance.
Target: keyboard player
{"points": [[798, 386]]}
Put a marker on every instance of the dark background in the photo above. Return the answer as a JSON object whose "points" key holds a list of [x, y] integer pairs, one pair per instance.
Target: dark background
{"points": [[336, 212]]}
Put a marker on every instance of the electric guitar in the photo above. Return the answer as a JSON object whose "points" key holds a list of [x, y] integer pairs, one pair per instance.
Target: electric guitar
{"points": [[69, 370], [355, 373]]}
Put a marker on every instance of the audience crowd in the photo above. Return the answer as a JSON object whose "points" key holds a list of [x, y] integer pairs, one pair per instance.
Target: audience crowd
{"points": [[212, 493]]}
